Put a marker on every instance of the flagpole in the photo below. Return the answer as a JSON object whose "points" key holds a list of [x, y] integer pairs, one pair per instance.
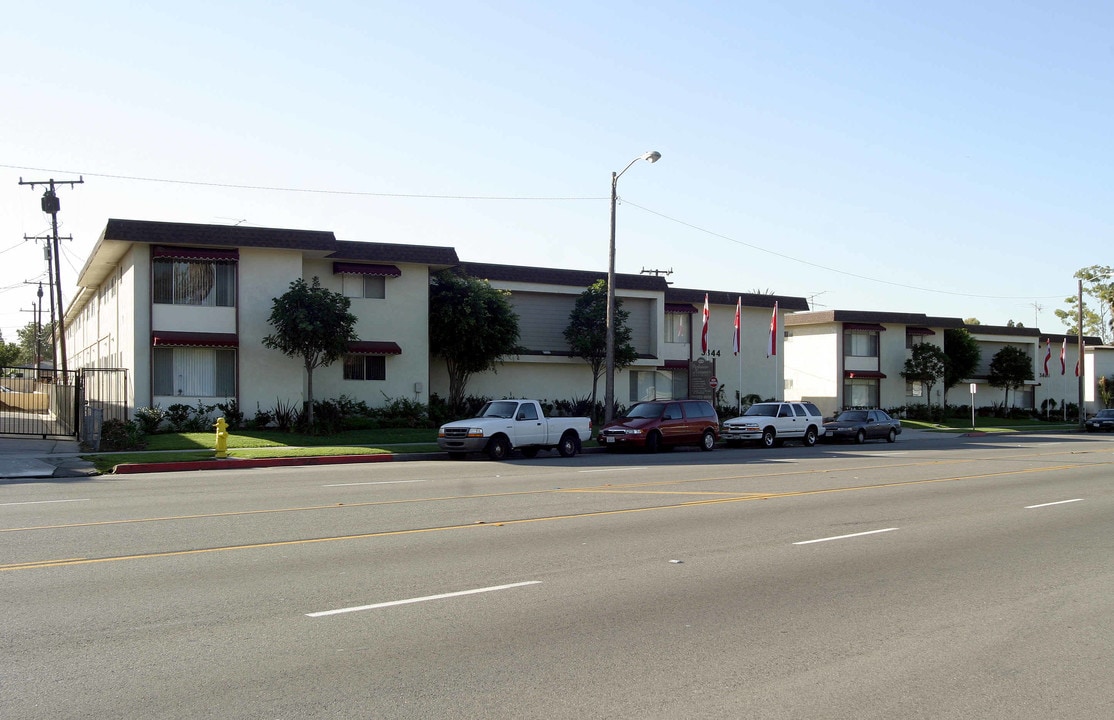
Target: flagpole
{"points": [[739, 400]]}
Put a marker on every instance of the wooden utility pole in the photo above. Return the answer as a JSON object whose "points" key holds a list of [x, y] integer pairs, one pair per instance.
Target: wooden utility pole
{"points": [[52, 205]]}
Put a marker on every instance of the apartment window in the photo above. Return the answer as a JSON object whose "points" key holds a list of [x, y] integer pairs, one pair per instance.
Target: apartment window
{"points": [[365, 367], [364, 286], [860, 392], [205, 283], [677, 327], [194, 371], [658, 385], [914, 389], [860, 343]]}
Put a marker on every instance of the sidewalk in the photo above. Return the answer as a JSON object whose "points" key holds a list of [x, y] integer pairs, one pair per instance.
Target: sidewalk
{"points": [[31, 457]]}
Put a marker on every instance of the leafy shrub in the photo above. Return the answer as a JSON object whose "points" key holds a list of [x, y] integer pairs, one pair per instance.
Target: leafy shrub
{"points": [[149, 419], [232, 414], [262, 418], [403, 412], [117, 435], [327, 417], [285, 415], [177, 415]]}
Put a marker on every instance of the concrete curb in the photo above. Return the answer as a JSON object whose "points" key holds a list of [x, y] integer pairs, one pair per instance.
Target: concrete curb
{"points": [[240, 464]]}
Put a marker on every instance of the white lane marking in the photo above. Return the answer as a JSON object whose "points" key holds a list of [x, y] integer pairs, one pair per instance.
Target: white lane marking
{"points": [[381, 482], [1058, 502], [644, 467], [421, 599], [43, 502], [844, 537]]}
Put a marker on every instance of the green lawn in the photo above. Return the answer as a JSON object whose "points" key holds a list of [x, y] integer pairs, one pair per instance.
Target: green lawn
{"points": [[987, 424], [179, 447]]}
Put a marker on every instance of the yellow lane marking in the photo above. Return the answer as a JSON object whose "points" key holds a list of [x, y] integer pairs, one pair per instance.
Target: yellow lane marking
{"points": [[521, 521], [609, 487]]}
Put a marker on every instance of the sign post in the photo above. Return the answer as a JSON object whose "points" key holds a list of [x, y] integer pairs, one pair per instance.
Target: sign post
{"points": [[973, 388]]}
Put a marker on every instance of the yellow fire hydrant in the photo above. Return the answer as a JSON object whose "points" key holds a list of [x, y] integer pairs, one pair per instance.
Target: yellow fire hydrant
{"points": [[222, 438]]}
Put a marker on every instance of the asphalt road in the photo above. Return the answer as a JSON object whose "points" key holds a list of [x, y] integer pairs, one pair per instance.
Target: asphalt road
{"points": [[955, 578]]}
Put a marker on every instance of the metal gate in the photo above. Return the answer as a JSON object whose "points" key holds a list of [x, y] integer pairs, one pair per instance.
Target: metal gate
{"points": [[40, 403], [51, 403]]}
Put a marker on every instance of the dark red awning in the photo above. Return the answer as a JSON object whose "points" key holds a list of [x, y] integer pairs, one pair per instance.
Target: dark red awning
{"points": [[188, 339], [864, 374], [679, 308], [373, 347], [676, 365], [874, 327], [180, 253], [343, 268]]}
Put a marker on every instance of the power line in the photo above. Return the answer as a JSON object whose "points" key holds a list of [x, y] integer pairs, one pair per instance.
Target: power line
{"points": [[271, 188], [426, 196], [825, 267]]}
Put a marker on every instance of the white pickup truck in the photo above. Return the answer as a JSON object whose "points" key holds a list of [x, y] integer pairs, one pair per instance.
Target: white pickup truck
{"points": [[506, 425]]}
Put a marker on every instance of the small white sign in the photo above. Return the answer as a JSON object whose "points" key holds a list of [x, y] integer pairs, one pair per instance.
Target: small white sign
{"points": [[973, 387]]}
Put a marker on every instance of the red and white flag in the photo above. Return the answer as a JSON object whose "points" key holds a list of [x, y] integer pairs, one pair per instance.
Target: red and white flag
{"points": [[771, 347], [1063, 352], [1047, 355], [736, 339], [704, 331]]}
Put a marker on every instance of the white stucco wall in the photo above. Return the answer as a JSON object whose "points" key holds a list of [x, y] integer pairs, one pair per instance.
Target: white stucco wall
{"points": [[813, 365], [400, 317], [265, 376]]}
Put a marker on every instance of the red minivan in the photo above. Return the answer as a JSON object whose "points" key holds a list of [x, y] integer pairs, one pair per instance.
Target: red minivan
{"points": [[658, 424]]}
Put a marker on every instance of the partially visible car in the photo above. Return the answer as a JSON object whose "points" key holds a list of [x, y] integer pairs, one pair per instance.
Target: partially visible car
{"points": [[1103, 421], [862, 425], [658, 424], [770, 423]]}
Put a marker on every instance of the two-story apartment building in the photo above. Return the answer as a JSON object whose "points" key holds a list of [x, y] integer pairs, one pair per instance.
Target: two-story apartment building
{"points": [[183, 308], [854, 358]]}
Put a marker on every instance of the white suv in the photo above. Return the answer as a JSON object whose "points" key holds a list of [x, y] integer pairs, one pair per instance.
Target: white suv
{"points": [[771, 422]]}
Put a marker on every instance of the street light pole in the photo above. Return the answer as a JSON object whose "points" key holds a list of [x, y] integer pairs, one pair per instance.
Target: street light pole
{"points": [[609, 359]]}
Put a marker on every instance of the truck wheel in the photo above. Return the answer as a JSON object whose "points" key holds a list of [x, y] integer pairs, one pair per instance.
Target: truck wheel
{"points": [[769, 438], [653, 442], [498, 448], [530, 452], [568, 445], [708, 441], [810, 437]]}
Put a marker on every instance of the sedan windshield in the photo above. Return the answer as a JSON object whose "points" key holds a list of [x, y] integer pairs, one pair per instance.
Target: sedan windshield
{"points": [[1105, 414], [852, 416]]}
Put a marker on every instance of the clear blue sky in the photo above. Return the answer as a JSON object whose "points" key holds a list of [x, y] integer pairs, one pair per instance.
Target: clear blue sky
{"points": [[951, 158]]}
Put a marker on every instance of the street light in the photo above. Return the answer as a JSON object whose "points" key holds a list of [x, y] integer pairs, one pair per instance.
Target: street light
{"points": [[609, 376]]}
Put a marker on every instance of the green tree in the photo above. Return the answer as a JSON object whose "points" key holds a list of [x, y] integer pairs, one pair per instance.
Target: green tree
{"points": [[28, 338], [926, 366], [963, 357], [1009, 369], [311, 323], [9, 352], [587, 332], [1098, 316], [472, 327]]}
